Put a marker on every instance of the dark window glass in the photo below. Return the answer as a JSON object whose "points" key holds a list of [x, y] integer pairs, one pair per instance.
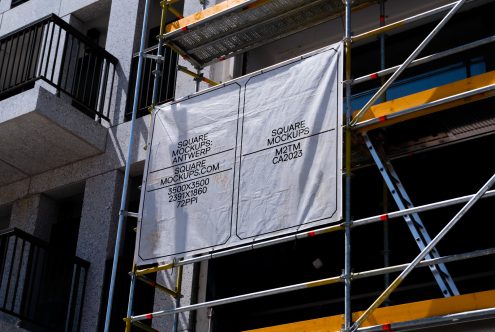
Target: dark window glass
{"points": [[17, 3]]}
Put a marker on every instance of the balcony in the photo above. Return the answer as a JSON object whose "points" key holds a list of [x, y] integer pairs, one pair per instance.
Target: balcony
{"points": [[55, 91], [42, 287], [166, 81]]}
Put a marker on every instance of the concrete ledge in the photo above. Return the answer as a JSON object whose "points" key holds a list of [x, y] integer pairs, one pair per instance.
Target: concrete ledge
{"points": [[40, 131]]}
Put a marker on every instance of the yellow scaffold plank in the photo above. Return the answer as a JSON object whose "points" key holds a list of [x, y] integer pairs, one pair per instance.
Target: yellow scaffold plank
{"points": [[383, 110], [196, 17], [395, 314]]}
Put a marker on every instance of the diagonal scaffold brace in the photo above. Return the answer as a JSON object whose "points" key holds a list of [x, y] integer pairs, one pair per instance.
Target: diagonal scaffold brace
{"points": [[423, 254]]}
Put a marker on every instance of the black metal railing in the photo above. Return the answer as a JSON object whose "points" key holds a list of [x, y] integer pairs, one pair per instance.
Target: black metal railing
{"points": [[166, 86], [53, 51], [40, 285]]}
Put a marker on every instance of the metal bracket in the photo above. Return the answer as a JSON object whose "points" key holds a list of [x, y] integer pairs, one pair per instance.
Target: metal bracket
{"points": [[157, 58]]}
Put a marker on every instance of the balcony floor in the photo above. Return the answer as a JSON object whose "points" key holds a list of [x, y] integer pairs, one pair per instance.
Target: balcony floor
{"points": [[40, 131]]}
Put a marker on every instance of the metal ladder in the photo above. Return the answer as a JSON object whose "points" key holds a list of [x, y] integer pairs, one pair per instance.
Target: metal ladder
{"points": [[413, 221]]}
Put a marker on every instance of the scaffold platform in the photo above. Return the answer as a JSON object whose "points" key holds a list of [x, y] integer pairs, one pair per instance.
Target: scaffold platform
{"points": [[236, 26]]}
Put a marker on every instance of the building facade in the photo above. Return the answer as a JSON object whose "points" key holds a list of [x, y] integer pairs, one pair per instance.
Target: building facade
{"points": [[67, 76]]}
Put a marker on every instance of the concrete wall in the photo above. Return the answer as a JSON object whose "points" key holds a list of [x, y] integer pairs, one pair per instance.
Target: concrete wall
{"points": [[34, 214]]}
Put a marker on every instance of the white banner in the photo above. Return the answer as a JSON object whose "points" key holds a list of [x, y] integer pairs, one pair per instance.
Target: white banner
{"points": [[252, 159]]}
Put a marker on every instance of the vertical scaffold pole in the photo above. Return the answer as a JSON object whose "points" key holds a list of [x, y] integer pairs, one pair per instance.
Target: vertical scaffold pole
{"points": [[159, 62], [122, 214], [131, 300], [348, 116], [178, 290], [386, 249]]}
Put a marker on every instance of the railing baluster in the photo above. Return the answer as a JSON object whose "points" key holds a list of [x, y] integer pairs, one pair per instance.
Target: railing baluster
{"points": [[55, 54], [104, 83], [95, 78], [3, 248], [74, 74], [45, 31], [33, 278], [3, 46], [70, 67], [72, 298], [86, 77], [35, 62], [18, 276], [28, 54], [7, 289], [41, 281], [18, 56], [80, 64], [10, 66], [49, 50], [83, 293]]}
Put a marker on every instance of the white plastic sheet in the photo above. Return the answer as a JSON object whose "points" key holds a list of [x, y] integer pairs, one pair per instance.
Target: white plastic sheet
{"points": [[255, 158]]}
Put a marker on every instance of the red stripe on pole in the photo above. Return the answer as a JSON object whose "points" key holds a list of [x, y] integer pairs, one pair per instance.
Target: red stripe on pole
{"points": [[312, 233], [387, 327], [384, 217], [149, 316], [382, 19], [374, 76]]}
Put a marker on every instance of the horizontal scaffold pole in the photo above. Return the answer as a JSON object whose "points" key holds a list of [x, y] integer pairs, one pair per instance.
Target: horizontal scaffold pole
{"points": [[408, 61], [484, 92], [311, 284], [425, 59], [403, 22], [308, 234]]}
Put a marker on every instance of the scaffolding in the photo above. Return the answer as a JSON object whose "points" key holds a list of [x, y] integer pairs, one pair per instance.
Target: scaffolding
{"points": [[203, 46]]}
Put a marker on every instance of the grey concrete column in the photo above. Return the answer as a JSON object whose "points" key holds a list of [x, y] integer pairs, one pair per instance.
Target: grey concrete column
{"points": [[123, 34], [35, 215], [96, 239]]}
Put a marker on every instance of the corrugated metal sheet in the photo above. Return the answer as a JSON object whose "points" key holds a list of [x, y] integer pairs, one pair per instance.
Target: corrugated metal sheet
{"points": [[465, 122]]}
